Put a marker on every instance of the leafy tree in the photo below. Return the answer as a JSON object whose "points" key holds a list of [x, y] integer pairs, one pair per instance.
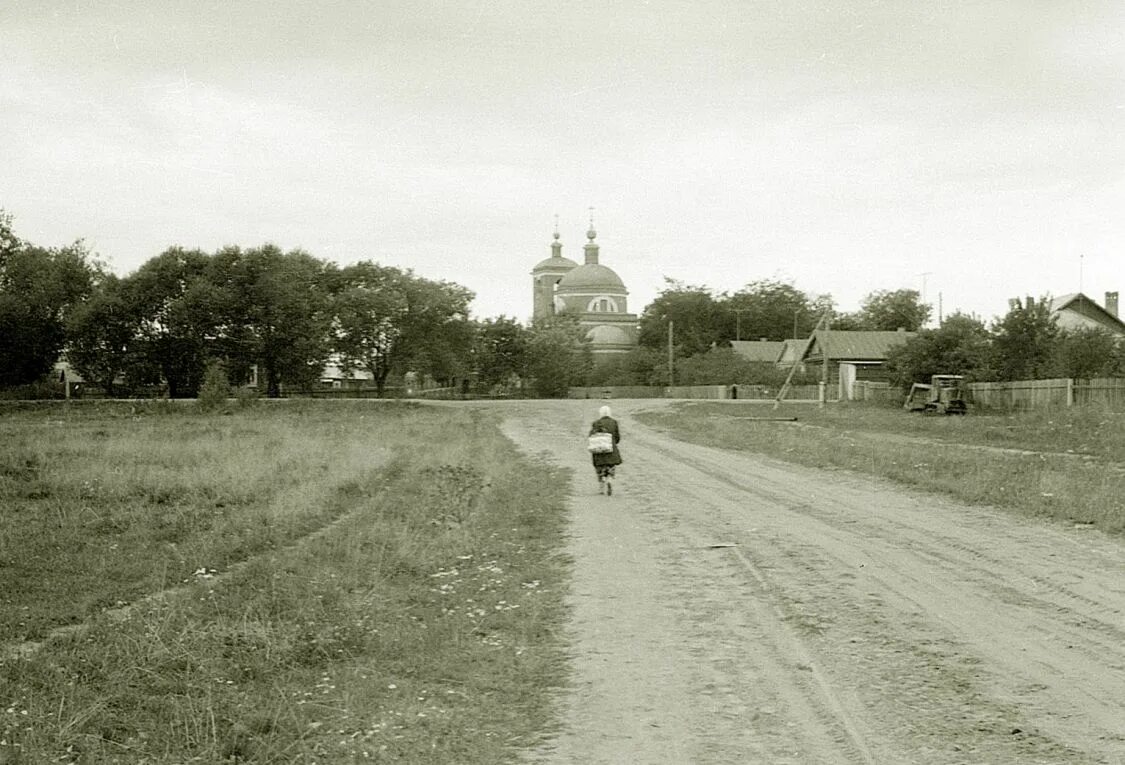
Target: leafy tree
{"points": [[1024, 342], [891, 310], [39, 288], [368, 316], [275, 313], [387, 319], [694, 312], [448, 353], [719, 366], [177, 310], [959, 346], [9, 242], [770, 309], [500, 351], [436, 334], [102, 335], [640, 366], [558, 356], [1087, 352]]}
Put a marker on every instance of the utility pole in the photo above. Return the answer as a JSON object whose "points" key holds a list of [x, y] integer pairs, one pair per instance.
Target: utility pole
{"points": [[924, 274], [670, 354]]}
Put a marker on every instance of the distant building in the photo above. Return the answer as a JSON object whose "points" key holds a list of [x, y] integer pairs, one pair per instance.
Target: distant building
{"points": [[1076, 311], [592, 292], [850, 356]]}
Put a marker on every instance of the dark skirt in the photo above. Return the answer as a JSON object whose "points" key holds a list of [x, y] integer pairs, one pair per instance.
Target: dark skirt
{"points": [[607, 459]]}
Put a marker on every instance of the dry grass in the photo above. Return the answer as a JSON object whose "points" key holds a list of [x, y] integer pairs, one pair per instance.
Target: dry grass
{"points": [[352, 582]]}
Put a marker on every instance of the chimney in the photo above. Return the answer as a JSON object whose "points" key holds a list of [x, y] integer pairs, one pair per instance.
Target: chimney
{"points": [[1111, 303]]}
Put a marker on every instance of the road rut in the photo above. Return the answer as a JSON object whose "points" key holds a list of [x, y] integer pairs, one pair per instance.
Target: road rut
{"points": [[729, 608]]}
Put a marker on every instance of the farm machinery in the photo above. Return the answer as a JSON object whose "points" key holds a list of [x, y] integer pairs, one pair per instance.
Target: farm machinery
{"points": [[944, 394]]}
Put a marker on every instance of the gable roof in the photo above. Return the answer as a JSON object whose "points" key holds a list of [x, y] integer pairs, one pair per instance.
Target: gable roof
{"points": [[794, 350], [853, 345], [758, 350], [1090, 312]]}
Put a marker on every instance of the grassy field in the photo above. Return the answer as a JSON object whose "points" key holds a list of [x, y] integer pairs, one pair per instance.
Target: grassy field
{"points": [[312, 582], [1067, 464]]}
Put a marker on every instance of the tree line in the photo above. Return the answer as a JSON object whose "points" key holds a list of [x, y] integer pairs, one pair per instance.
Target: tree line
{"points": [[285, 315], [1025, 344]]}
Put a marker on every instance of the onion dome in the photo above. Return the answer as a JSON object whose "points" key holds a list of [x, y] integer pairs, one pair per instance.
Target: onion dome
{"points": [[592, 277], [556, 262]]}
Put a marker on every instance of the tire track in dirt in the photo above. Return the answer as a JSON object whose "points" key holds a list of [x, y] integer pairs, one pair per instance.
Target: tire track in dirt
{"points": [[28, 648], [764, 705], [921, 573], [850, 621]]}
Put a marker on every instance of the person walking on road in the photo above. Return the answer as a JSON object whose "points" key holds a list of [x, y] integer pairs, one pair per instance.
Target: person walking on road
{"points": [[605, 463]]}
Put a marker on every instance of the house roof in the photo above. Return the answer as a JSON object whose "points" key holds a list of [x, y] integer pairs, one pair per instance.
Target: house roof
{"points": [[794, 350], [758, 350], [853, 345], [1087, 307]]}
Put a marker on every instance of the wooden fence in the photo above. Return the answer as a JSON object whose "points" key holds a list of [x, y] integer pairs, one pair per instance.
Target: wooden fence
{"points": [[1108, 392]]}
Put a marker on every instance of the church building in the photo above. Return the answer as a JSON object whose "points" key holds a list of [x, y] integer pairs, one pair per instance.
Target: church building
{"points": [[592, 292]]}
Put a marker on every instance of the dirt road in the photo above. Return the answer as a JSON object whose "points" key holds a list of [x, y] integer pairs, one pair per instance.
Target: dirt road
{"points": [[731, 609]]}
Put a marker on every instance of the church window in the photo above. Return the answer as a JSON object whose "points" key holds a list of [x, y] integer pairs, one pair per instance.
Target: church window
{"points": [[602, 305]]}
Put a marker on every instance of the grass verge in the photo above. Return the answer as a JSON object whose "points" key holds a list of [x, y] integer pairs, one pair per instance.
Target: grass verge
{"points": [[1061, 465], [417, 624]]}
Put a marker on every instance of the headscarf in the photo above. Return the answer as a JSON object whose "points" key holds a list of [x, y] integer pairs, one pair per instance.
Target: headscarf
{"points": [[604, 412]]}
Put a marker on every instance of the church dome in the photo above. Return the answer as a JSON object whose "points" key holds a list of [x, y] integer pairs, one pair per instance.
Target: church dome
{"points": [[606, 334], [554, 263], [592, 277]]}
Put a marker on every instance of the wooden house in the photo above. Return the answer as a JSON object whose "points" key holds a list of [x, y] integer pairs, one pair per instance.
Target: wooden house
{"points": [[1077, 311], [843, 357]]}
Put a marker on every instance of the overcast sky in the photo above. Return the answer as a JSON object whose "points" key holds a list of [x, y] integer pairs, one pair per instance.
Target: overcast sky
{"points": [[974, 150]]}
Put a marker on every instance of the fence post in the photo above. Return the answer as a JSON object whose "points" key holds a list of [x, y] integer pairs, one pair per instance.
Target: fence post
{"points": [[1070, 391]]}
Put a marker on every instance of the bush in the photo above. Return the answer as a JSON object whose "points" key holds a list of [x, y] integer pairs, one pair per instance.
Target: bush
{"points": [[215, 391]]}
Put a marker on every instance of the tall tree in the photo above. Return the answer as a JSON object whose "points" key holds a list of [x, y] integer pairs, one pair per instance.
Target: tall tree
{"points": [[368, 311], [277, 312], [558, 356], [694, 313], [39, 288], [1024, 341], [1087, 352], [500, 351], [769, 309], [959, 346], [177, 312], [436, 335], [102, 335], [386, 319], [889, 310]]}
